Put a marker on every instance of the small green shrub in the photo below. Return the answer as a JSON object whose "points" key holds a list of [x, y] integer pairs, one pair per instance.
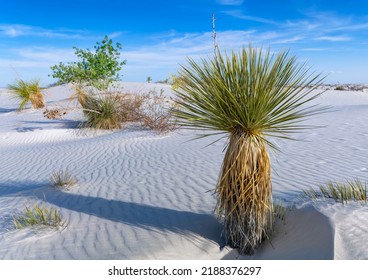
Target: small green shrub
{"points": [[27, 92], [38, 216], [62, 179], [97, 69], [340, 192]]}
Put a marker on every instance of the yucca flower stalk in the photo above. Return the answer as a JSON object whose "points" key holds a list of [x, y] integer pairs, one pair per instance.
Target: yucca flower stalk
{"points": [[27, 91], [250, 96]]}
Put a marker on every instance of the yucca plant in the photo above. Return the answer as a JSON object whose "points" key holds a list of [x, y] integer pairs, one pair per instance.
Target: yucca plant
{"points": [[27, 91], [250, 96]]}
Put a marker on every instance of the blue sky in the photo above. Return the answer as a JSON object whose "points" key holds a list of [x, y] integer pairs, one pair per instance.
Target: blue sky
{"points": [[157, 36]]}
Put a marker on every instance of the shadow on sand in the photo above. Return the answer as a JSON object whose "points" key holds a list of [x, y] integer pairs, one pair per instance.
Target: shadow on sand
{"points": [[131, 213]]}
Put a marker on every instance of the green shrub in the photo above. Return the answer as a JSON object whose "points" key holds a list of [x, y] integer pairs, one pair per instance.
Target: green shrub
{"points": [[27, 92], [38, 216], [97, 69]]}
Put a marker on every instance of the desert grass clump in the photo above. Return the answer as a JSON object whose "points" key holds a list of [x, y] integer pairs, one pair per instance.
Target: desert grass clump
{"points": [[38, 216], [249, 96], [103, 111], [27, 92], [352, 190], [62, 179]]}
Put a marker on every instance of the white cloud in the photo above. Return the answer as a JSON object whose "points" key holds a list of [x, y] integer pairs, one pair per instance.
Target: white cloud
{"points": [[314, 49], [334, 38], [230, 2], [239, 14], [17, 30]]}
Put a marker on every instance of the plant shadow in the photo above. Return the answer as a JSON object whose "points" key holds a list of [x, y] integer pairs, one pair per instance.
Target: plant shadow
{"points": [[5, 110], [136, 214], [64, 123], [14, 188]]}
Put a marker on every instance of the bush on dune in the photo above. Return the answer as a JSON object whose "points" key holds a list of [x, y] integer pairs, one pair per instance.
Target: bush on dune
{"points": [[97, 69], [156, 113], [248, 96], [103, 112], [27, 92]]}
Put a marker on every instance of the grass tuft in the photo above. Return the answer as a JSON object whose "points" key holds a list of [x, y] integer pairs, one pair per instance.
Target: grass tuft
{"points": [[352, 190], [38, 216], [102, 112], [62, 179], [27, 92]]}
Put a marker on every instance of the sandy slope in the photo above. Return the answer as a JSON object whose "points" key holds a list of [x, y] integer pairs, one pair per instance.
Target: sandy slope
{"points": [[146, 196]]}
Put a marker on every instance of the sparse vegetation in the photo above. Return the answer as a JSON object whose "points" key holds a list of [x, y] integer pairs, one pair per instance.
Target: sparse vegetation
{"points": [[248, 96], [27, 92], [340, 88], [157, 112], [38, 216], [352, 190], [53, 114], [62, 179], [112, 110], [97, 69], [131, 107]]}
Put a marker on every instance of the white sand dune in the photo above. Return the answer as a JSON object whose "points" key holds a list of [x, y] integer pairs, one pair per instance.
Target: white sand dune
{"points": [[146, 196]]}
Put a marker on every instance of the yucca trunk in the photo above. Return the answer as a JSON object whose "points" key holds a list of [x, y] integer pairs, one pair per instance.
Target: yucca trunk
{"points": [[37, 100], [244, 192]]}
